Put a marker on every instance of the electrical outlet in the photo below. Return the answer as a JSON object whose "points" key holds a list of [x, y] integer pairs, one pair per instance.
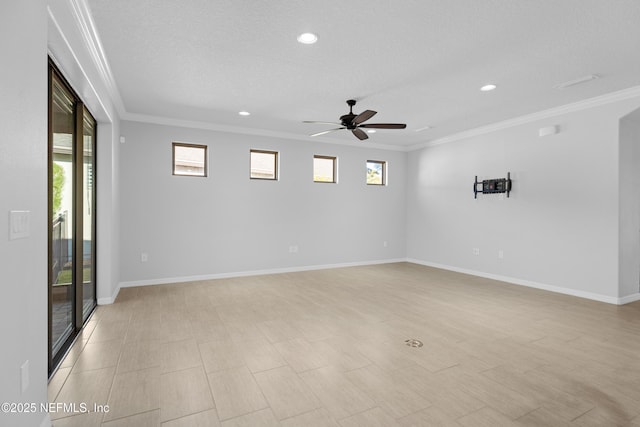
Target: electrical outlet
{"points": [[144, 257], [476, 251], [24, 376], [293, 249], [385, 244], [501, 254]]}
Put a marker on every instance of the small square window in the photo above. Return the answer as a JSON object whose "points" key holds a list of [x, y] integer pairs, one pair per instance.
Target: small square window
{"points": [[324, 169], [264, 165], [376, 172], [189, 159]]}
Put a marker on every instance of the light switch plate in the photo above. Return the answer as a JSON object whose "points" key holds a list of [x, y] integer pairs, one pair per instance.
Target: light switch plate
{"points": [[19, 225]]}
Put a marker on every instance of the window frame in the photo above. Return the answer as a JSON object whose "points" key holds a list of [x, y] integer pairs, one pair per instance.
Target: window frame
{"points": [[276, 168], [384, 172], [189, 145], [335, 168]]}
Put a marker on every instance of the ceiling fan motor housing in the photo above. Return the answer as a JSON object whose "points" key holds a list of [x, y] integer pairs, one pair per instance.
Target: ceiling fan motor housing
{"points": [[347, 121]]}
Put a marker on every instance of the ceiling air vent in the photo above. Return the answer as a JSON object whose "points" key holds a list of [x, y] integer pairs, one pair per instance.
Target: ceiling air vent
{"points": [[577, 81]]}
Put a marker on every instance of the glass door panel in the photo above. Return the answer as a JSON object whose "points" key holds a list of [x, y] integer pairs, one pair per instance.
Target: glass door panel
{"points": [[88, 222], [61, 255]]}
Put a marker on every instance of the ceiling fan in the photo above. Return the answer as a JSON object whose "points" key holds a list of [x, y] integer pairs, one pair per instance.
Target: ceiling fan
{"points": [[354, 123]]}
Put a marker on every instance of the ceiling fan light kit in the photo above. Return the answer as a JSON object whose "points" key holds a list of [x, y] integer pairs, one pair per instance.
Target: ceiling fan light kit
{"points": [[354, 123]]}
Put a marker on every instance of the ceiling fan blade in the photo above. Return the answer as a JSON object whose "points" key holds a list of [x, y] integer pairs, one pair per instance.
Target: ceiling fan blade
{"points": [[322, 123], [384, 125], [364, 116], [360, 134], [326, 131]]}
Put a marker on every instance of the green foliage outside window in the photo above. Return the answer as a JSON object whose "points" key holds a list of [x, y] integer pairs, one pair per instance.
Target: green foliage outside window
{"points": [[58, 187]]}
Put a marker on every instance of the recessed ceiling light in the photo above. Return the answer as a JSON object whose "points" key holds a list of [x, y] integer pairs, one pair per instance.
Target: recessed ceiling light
{"points": [[244, 113], [371, 131], [307, 38], [487, 88]]}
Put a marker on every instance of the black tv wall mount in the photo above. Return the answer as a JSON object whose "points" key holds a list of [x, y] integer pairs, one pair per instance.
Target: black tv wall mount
{"points": [[492, 186]]}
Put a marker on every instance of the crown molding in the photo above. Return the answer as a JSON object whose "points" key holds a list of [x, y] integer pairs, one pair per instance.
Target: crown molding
{"points": [[191, 124], [585, 104], [91, 39], [84, 20], [59, 47]]}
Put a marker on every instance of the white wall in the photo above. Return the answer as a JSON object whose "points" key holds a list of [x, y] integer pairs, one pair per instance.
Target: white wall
{"points": [[23, 178], [108, 212], [559, 228], [629, 229], [227, 223]]}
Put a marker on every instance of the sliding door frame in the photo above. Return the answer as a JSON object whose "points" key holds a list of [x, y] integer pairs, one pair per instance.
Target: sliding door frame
{"points": [[77, 257]]}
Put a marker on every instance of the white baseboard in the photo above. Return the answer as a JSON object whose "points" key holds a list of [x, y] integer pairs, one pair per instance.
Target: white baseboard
{"points": [[111, 299], [531, 284], [629, 298], [163, 281], [513, 280]]}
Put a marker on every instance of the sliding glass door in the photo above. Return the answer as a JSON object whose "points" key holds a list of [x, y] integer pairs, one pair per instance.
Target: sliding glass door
{"points": [[72, 292]]}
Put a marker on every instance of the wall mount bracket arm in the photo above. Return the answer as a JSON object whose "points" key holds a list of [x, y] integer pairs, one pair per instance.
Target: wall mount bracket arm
{"points": [[492, 186]]}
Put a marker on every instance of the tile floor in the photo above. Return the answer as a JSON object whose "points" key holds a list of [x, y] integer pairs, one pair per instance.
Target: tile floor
{"points": [[326, 348]]}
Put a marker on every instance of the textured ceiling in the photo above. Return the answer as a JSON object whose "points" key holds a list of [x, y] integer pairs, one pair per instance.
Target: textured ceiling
{"points": [[418, 62]]}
